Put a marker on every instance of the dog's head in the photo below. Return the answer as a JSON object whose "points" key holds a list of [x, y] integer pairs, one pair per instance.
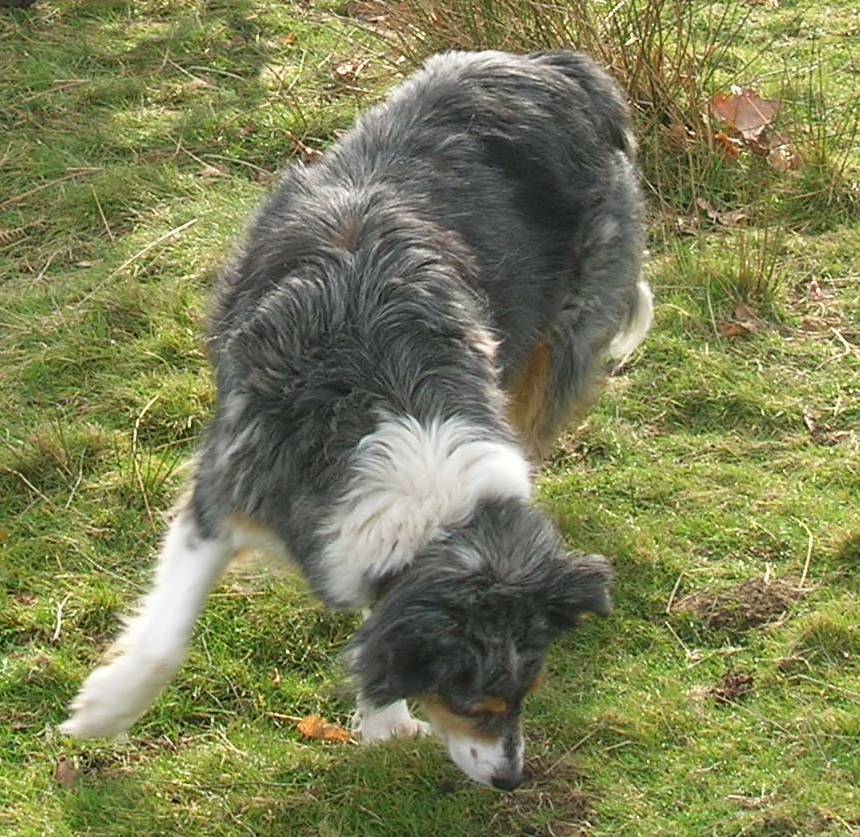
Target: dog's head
{"points": [[465, 631]]}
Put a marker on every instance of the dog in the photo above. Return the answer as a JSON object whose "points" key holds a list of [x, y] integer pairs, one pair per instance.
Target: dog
{"points": [[410, 323]]}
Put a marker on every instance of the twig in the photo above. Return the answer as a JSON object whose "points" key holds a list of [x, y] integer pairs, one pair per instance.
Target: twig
{"points": [[574, 748], [672, 595], [102, 215], [24, 195], [59, 622], [808, 553], [60, 85], [134, 461]]}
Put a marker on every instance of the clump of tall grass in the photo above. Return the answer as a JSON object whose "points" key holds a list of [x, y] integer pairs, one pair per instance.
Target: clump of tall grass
{"points": [[671, 57]]}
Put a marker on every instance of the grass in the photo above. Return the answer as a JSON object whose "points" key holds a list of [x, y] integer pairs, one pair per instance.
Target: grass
{"points": [[135, 139]]}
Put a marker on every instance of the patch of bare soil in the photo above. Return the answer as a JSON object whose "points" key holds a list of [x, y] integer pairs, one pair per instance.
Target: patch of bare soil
{"points": [[732, 686], [758, 601], [552, 803]]}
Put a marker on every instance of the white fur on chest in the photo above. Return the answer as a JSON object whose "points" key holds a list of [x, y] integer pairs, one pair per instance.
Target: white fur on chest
{"points": [[409, 483]]}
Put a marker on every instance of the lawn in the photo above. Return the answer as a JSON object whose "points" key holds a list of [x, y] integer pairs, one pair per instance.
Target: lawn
{"points": [[720, 473]]}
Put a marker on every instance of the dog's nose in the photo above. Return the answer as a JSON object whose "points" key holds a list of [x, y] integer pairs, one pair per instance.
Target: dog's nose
{"points": [[507, 781]]}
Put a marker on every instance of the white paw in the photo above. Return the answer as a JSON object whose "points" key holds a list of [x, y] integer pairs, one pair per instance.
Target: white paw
{"points": [[394, 721], [114, 696]]}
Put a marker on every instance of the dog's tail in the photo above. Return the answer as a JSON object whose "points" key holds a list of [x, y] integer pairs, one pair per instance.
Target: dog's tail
{"points": [[607, 105]]}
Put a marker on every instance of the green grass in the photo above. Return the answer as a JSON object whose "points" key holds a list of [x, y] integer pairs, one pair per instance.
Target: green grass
{"points": [[134, 140]]}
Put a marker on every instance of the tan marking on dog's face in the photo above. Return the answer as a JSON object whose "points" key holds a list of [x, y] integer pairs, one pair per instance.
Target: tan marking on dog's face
{"points": [[450, 724], [495, 705]]}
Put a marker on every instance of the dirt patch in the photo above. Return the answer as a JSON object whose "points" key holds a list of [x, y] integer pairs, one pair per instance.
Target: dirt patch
{"points": [[759, 601], [732, 686], [552, 803]]}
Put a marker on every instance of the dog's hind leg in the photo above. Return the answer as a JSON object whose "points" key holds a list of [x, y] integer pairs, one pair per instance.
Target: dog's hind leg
{"points": [[152, 646]]}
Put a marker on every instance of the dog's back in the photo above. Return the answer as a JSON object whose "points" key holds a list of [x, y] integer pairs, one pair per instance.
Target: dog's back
{"points": [[516, 173]]}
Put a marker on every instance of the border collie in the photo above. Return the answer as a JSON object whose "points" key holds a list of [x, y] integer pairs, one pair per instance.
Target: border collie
{"points": [[410, 323]]}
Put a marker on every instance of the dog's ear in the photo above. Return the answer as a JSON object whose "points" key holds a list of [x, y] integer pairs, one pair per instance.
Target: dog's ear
{"points": [[392, 661], [580, 587]]}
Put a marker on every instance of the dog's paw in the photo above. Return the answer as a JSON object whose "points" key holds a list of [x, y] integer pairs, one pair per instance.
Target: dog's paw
{"points": [[395, 721], [112, 698]]}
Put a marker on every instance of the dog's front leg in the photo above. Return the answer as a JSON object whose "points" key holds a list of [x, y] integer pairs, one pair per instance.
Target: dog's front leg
{"points": [[373, 724], [152, 646]]}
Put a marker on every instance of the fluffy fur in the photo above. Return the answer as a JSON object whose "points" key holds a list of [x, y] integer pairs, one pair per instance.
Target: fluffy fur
{"points": [[410, 322]]}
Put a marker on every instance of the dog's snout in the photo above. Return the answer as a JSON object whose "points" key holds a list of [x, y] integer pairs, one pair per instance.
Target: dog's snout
{"points": [[507, 781]]}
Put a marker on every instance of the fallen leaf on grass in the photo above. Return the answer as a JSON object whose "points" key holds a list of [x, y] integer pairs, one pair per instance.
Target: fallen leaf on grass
{"points": [[732, 686], [210, 171], [198, 83], [745, 322], [680, 137], [65, 773], [316, 727], [350, 69], [304, 152], [784, 159], [744, 111], [728, 219], [3, 535], [729, 147], [738, 329]]}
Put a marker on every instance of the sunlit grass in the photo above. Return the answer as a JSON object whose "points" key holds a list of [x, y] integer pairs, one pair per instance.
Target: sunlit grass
{"points": [[134, 140]]}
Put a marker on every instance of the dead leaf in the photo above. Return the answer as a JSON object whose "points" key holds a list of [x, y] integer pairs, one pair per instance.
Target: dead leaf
{"points": [[738, 329], [4, 534], [316, 727], [198, 83], [350, 69], [304, 152], [288, 39], [211, 171], [680, 137], [66, 773], [726, 219], [729, 147], [744, 111], [732, 686], [784, 158], [813, 294]]}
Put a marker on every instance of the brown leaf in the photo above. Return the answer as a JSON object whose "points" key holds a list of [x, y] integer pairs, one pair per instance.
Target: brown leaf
{"points": [[65, 773], [198, 83], [680, 137], [288, 39], [729, 147], [813, 294], [350, 69], [732, 686], [744, 111], [316, 727], [727, 219], [784, 158], [210, 171], [738, 329], [304, 152], [4, 534]]}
